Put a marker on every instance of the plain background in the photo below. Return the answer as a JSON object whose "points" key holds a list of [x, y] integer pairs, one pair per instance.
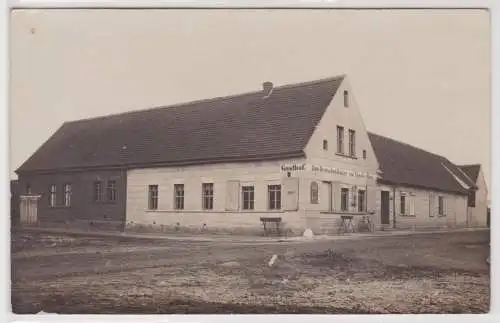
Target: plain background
{"points": [[419, 76]]}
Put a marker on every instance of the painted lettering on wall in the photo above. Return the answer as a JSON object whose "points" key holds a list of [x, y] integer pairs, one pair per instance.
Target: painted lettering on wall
{"points": [[293, 167], [324, 169]]}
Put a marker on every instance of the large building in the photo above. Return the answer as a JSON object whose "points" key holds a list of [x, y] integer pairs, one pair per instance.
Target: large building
{"points": [[297, 153]]}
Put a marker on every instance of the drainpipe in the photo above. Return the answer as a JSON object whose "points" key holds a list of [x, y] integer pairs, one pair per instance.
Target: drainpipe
{"points": [[394, 207]]}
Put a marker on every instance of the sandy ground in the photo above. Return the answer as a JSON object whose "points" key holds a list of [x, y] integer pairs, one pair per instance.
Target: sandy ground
{"points": [[431, 273]]}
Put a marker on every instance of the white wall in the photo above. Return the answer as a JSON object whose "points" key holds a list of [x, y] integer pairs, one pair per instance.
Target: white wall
{"points": [[258, 174], [425, 207], [349, 118], [478, 213]]}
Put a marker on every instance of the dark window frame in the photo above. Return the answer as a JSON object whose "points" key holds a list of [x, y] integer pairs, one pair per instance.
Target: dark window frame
{"points": [[52, 195], [441, 206], [179, 196], [352, 143], [67, 191], [471, 198], [344, 199], [248, 197], [274, 197], [346, 99], [111, 191], [207, 196], [403, 205], [97, 191], [153, 197], [361, 200], [340, 140], [314, 190]]}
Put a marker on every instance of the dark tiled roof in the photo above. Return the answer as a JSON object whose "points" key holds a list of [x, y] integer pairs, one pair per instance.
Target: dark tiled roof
{"points": [[471, 170], [235, 128], [404, 164]]}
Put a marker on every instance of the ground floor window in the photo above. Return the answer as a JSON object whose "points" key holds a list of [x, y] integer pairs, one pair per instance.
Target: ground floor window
{"points": [[248, 197], [97, 191], [344, 199], [314, 193], [111, 191], [52, 195], [153, 197], [208, 196], [179, 196], [361, 201], [402, 206], [67, 194], [274, 197], [441, 205]]}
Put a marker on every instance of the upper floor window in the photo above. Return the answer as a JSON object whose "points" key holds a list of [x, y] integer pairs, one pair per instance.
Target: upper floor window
{"points": [[325, 144], [67, 194], [207, 196], [52, 195], [340, 139], [179, 196], [314, 193], [364, 154], [352, 143], [153, 197], [346, 99], [274, 196], [111, 191]]}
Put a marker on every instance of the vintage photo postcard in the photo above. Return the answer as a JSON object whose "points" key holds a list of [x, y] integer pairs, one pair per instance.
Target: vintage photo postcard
{"points": [[195, 161]]}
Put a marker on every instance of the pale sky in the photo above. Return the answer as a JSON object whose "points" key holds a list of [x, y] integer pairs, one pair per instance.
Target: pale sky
{"points": [[419, 76]]}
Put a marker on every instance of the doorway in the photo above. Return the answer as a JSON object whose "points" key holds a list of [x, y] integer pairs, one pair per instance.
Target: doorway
{"points": [[28, 209], [384, 207]]}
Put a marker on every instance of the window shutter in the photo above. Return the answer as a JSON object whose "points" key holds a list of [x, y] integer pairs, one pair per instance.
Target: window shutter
{"points": [[412, 204], [290, 194], [232, 195], [432, 205]]}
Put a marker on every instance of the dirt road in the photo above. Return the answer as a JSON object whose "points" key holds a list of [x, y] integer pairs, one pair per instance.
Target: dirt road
{"points": [[432, 273]]}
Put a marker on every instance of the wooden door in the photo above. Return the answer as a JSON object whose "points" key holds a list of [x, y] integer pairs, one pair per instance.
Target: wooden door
{"points": [[384, 207]]}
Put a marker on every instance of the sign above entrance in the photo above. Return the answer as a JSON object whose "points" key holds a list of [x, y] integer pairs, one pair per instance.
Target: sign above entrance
{"points": [[324, 169]]}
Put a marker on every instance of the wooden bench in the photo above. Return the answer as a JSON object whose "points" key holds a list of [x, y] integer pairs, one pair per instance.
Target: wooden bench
{"points": [[271, 224]]}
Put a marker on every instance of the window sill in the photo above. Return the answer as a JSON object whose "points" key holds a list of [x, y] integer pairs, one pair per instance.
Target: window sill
{"points": [[214, 211], [408, 215], [59, 207], [347, 213], [346, 156]]}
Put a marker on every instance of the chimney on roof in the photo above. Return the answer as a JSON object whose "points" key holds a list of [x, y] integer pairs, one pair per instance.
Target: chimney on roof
{"points": [[267, 89]]}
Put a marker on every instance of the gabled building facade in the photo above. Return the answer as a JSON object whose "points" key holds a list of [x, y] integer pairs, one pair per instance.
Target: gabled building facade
{"points": [[477, 203], [299, 152]]}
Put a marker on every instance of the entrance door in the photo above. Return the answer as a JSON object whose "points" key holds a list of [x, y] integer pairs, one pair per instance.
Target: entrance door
{"points": [[384, 207], [330, 195]]}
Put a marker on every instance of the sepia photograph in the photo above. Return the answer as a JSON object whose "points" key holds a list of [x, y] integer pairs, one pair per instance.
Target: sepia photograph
{"points": [[249, 161]]}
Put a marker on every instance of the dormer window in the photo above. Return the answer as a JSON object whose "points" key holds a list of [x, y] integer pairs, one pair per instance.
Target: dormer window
{"points": [[346, 99], [325, 145]]}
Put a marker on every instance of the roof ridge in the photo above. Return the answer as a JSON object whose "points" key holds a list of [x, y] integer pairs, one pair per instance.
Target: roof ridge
{"points": [[207, 100], [470, 165]]}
